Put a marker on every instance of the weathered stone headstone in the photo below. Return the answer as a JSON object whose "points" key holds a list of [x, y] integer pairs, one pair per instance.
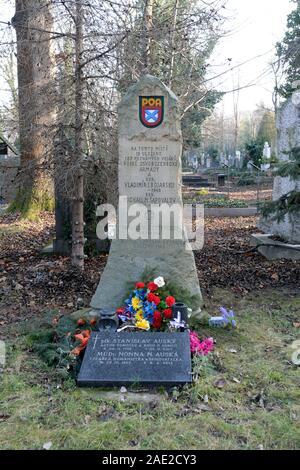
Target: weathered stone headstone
{"points": [[9, 167], [150, 147], [115, 359], [288, 137]]}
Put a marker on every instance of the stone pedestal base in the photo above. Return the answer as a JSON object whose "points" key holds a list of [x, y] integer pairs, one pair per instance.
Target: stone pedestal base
{"points": [[129, 259]]}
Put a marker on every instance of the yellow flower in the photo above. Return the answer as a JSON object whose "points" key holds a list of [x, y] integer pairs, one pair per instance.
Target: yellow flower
{"points": [[143, 324], [139, 315], [136, 303]]}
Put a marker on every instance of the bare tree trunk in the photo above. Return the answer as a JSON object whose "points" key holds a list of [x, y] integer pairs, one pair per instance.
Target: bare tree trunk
{"points": [[172, 42], [78, 198], [222, 143], [236, 98], [275, 96], [148, 22], [33, 23]]}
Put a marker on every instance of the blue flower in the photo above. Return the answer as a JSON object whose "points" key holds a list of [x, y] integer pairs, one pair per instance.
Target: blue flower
{"points": [[228, 316], [140, 293], [149, 309], [223, 311]]}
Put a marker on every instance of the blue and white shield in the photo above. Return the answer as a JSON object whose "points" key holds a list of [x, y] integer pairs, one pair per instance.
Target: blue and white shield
{"points": [[151, 115]]}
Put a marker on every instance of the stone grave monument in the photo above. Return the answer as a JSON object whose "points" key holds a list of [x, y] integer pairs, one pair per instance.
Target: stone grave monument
{"points": [[149, 174], [150, 148]]}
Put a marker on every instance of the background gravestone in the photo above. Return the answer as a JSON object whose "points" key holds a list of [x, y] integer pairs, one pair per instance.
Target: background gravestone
{"points": [[288, 136], [149, 173]]}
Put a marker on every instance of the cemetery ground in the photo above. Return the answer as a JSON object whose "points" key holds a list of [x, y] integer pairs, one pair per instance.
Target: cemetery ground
{"points": [[245, 397]]}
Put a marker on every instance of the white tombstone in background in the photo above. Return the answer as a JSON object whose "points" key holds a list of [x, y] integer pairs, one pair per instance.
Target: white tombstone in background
{"points": [[238, 159], [195, 161], [267, 151], [208, 162], [265, 166]]}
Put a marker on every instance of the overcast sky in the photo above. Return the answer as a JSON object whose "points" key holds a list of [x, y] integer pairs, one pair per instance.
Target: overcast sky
{"points": [[256, 26]]}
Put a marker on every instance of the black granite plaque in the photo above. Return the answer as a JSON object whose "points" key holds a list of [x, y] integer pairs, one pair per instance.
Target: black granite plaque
{"points": [[136, 358]]}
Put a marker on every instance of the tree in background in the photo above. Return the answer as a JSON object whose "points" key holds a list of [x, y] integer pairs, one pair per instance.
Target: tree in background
{"points": [[254, 152], [288, 52], [180, 37], [267, 130], [86, 111], [99, 49], [33, 23], [254, 130]]}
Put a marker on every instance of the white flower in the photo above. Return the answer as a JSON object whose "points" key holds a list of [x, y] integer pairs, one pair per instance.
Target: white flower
{"points": [[159, 281]]}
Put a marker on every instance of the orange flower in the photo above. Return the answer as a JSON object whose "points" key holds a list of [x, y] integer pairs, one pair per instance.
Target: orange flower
{"points": [[93, 322], [83, 337], [84, 343], [81, 322], [76, 351], [79, 337], [86, 333]]}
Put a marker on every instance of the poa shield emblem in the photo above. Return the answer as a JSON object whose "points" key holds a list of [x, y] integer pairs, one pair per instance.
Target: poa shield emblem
{"points": [[151, 110]]}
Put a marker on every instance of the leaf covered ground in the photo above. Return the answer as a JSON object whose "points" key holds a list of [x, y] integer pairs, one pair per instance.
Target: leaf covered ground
{"points": [[31, 282]]}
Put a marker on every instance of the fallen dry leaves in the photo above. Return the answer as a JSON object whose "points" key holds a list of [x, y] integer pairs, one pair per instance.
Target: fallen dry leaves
{"points": [[31, 283], [221, 263]]}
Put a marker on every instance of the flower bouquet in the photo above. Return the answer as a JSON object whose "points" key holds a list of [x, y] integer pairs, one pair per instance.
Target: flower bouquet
{"points": [[148, 307]]}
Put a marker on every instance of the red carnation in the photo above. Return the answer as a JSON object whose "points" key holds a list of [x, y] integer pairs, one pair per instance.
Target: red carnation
{"points": [[120, 310], [170, 301], [152, 286], [167, 313], [157, 320], [140, 285], [151, 297]]}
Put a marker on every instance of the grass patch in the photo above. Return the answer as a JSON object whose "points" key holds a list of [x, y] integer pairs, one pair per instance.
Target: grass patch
{"points": [[257, 405], [216, 202], [7, 230]]}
